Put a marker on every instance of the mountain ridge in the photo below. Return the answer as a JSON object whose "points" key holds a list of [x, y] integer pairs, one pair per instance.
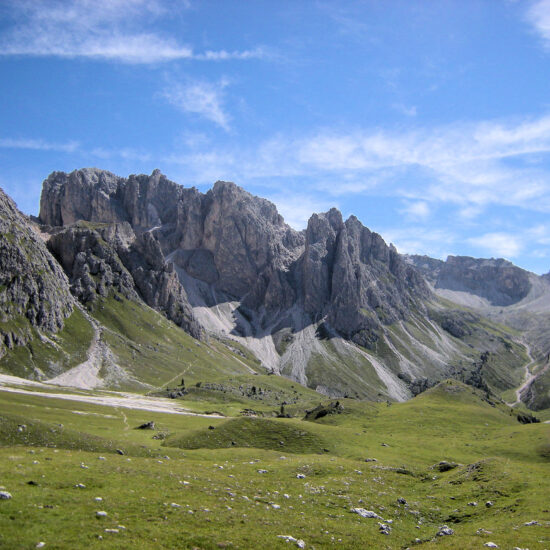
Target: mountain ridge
{"points": [[332, 307]]}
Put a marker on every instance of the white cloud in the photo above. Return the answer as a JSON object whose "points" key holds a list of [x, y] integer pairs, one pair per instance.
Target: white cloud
{"points": [[538, 15], [416, 210], [499, 244], [38, 145], [101, 29], [202, 98]]}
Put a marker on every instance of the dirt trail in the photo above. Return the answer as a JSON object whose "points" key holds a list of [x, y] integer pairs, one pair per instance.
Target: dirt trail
{"points": [[528, 378], [86, 374], [109, 399]]}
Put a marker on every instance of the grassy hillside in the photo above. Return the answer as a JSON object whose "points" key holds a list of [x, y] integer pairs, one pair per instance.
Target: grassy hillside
{"points": [[48, 355]]}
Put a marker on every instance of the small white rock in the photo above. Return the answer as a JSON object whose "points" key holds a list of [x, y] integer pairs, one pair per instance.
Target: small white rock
{"points": [[366, 513], [491, 545], [300, 476], [98, 499], [40, 545], [4, 495], [101, 514]]}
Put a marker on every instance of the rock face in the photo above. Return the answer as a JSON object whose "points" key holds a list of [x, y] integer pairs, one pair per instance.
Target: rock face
{"points": [[234, 243], [100, 258], [499, 281], [34, 291], [350, 275]]}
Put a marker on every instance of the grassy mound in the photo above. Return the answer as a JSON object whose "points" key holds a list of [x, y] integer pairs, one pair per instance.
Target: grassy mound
{"points": [[260, 433]]}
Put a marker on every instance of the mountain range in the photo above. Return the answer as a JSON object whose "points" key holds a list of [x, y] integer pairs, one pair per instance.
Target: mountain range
{"points": [[332, 307]]}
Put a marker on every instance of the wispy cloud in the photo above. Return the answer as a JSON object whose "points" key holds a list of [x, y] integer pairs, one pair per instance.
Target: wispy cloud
{"points": [[416, 210], [416, 239], [468, 165], [202, 98], [116, 30], [499, 244], [538, 15], [38, 145]]}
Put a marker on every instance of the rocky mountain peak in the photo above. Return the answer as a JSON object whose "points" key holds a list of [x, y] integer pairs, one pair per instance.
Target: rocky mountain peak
{"points": [[498, 281]]}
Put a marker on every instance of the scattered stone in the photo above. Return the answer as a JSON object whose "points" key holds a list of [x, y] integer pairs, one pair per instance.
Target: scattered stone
{"points": [[4, 495], [80, 486], [101, 458], [21, 428], [445, 531], [482, 531], [211, 427], [147, 426], [98, 499], [489, 503], [175, 505], [111, 530], [299, 543], [491, 545], [300, 476], [384, 444], [40, 545], [445, 466], [262, 471], [101, 514], [275, 506], [371, 460], [474, 503], [366, 513], [384, 528], [120, 451], [533, 522], [401, 500], [32, 483]]}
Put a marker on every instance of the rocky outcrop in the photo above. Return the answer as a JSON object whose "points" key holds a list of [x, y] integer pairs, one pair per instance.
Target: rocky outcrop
{"points": [[103, 258], [499, 281], [34, 291]]}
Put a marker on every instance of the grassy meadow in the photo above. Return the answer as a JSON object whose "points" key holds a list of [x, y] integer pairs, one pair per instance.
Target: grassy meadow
{"points": [[235, 481]]}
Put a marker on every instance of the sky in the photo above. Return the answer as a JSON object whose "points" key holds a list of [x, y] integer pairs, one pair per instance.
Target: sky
{"points": [[427, 119]]}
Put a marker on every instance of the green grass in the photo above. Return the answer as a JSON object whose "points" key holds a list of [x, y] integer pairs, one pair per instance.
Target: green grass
{"points": [[51, 356], [498, 460], [155, 351]]}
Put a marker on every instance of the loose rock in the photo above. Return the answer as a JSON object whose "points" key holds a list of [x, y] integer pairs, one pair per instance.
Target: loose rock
{"points": [[365, 513], [445, 531]]}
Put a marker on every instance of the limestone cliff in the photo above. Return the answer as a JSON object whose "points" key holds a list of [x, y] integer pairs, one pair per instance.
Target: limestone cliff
{"points": [[34, 291]]}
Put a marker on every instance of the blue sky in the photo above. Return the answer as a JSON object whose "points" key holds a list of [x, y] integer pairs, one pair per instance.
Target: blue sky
{"points": [[429, 120]]}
